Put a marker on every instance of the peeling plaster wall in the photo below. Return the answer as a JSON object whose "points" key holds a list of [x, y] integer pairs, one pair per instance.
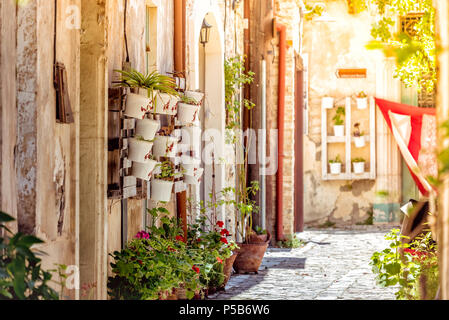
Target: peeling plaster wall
{"points": [[333, 45], [8, 111], [47, 152]]}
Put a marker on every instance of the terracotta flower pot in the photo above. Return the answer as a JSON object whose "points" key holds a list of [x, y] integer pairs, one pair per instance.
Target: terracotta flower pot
{"points": [[250, 256], [227, 269]]}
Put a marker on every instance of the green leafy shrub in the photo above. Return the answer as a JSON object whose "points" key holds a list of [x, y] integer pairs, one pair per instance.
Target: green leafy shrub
{"points": [[21, 273], [412, 268]]}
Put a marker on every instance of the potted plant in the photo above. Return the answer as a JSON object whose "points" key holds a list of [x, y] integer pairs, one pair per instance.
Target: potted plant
{"points": [[362, 100], [212, 238], [145, 170], [335, 165], [188, 110], [252, 248], [195, 95], [327, 102], [359, 136], [147, 128], [137, 106], [359, 165], [194, 179], [339, 127], [189, 165], [160, 89], [163, 181], [139, 150], [165, 146]]}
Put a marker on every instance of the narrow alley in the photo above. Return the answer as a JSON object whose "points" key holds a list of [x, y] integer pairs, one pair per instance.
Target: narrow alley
{"points": [[333, 264]]}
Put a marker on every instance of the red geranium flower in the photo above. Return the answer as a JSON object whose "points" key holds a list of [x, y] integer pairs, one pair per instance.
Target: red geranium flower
{"points": [[224, 240], [180, 238], [224, 232], [220, 224], [199, 240], [140, 262], [219, 260], [196, 269]]}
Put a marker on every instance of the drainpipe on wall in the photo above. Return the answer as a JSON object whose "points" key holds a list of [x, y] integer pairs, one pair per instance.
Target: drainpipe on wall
{"points": [[263, 127], [281, 116], [179, 66]]}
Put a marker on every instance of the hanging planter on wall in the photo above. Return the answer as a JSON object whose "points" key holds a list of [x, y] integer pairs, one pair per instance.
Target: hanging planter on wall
{"points": [[137, 106], [139, 150], [147, 128], [189, 165], [194, 179], [197, 96], [166, 104], [165, 146], [188, 113], [143, 171], [161, 190]]}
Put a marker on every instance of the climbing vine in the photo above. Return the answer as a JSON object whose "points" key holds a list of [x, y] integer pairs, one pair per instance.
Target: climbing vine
{"points": [[414, 50]]}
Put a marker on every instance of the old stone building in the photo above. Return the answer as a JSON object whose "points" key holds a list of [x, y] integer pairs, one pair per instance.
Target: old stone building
{"points": [[55, 174]]}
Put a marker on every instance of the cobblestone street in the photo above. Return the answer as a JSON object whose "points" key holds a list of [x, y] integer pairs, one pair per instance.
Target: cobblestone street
{"points": [[333, 264]]}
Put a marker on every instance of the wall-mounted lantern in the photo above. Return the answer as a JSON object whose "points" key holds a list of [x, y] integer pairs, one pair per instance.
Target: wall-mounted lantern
{"points": [[205, 32]]}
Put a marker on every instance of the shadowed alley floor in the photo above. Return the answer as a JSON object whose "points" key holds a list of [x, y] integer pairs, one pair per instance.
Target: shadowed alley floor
{"points": [[333, 264]]}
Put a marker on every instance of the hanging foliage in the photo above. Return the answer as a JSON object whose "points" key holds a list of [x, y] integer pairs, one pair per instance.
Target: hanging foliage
{"points": [[413, 44]]}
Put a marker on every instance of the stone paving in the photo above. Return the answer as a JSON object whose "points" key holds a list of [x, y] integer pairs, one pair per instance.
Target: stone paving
{"points": [[333, 264]]}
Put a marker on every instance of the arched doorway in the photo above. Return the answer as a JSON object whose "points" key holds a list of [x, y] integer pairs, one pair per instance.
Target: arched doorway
{"points": [[206, 73]]}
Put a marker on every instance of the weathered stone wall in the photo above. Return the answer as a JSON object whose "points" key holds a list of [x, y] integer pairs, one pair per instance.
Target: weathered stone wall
{"points": [[47, 152], [332, 45], [8, 112], [287, 13]]}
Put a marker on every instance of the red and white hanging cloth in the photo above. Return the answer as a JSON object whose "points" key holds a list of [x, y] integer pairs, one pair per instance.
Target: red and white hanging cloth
{"points": [[415, 131]]}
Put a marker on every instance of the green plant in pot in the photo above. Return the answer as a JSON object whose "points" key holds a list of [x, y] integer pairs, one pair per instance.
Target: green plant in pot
{"points": [[339, 122], [210, 234], [158, 88], [162, 182]]}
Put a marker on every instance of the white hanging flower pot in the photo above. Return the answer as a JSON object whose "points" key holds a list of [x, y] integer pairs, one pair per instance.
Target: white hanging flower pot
{"points": [[192, 137], [137, 106], [165, 146], [194, 179], [147, 128], [335, 167], [339, 131], [187, 113], [359, 167], [327, 102], [197, 96], [359, 141], [143, 171], [189, 165], [166, 104], [362, 103], [139, 150], [161, 190]]}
